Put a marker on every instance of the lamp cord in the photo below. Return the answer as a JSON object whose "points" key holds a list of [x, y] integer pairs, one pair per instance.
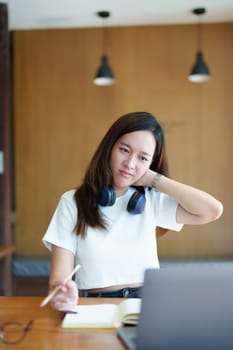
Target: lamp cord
{"points": [[199, 34], [104, 35]]}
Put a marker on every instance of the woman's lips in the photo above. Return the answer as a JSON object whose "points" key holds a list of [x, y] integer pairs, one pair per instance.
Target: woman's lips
{"points": [[125, 174]]}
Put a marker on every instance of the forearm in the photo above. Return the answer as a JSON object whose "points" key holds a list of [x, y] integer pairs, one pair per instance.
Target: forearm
{"points": [[61, 266], [192, 200], [195, 206]]}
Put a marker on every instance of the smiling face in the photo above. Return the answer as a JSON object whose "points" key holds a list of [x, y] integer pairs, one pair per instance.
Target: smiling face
{"points": [[131, 157]]}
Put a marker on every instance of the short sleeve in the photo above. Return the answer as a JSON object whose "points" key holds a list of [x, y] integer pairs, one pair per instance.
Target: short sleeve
{"points": [[167, 208], [60, 231]]}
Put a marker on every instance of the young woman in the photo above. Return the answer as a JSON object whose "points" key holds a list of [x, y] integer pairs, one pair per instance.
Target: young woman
{"points": [[108, 224]]}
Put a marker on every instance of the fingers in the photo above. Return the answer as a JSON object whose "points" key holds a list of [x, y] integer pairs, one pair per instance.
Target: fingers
{"points": [[66, 298], [72, 289], [61, 303]]}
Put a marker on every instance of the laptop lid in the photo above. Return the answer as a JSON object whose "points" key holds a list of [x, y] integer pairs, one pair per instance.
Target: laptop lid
{"points": [[185, 308], [128, 334]]}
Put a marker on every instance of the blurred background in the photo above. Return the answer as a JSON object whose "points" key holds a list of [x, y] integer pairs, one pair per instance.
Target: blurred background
{"points": [[56, 115]]}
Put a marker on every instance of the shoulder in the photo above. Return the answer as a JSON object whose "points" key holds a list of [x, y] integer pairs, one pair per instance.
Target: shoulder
{"points": [[68, 195], [67, 201]]}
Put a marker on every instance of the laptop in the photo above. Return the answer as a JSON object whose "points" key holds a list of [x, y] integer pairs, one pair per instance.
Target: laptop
{"points": [[184, 309]]}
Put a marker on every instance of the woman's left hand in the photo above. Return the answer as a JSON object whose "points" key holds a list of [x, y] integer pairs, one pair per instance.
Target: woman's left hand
{"points": [[147, 179]]}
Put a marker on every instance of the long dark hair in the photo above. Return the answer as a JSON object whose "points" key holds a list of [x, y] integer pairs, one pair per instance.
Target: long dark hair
{"points": [[99, 173]]}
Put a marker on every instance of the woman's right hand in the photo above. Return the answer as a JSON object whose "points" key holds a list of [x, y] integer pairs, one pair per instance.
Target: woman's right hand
{"points": [[66, 298]]}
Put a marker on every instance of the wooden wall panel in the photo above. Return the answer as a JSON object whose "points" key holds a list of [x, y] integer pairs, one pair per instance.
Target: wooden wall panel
{"points": [[60, 117]]}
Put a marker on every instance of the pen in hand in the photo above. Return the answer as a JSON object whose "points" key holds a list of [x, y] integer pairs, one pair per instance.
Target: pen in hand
{"points": [[56, 289]]}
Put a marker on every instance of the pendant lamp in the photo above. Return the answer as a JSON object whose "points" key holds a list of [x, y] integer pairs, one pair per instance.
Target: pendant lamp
{"points": [[104, 75], [199, 72]]}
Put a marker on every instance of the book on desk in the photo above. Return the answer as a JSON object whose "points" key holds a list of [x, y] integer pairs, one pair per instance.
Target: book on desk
{"points": [[104, 315]]}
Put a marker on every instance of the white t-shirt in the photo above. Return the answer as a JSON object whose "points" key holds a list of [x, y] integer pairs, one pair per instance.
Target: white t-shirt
{"points": [[120, 254]]}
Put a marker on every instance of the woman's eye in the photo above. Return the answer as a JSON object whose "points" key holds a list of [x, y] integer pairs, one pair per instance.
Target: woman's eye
{"points": [[124, 150], [144, 159]]}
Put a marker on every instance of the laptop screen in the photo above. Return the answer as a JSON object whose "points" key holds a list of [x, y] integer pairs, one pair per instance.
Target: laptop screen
{"points": [[187, 309]]}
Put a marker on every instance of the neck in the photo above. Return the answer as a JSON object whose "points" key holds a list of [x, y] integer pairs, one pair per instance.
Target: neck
{"points": [[120, 191]]}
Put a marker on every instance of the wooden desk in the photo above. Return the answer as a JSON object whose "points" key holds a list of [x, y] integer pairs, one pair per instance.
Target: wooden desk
{"points": [[47, 333]]}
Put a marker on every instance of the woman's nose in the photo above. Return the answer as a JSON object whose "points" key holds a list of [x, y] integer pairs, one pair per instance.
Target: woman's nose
{"points": [[130, 162]]}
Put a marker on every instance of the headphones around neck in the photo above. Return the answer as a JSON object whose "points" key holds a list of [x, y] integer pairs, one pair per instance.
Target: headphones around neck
{"points": [[136, 204]]}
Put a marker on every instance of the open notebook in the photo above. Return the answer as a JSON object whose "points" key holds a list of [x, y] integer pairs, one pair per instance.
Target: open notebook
{"points": [[104, 315]]}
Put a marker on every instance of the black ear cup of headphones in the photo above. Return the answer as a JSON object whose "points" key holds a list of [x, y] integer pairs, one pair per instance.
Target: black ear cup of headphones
{"points": [[136, 204], [107, 196]]}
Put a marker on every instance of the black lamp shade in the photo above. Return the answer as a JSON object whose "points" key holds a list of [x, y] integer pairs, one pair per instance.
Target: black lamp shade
{"points": [[199, 72], [104, 75]]}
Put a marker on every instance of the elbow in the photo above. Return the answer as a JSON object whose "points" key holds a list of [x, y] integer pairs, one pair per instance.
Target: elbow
{"points": [[216, 211]]}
